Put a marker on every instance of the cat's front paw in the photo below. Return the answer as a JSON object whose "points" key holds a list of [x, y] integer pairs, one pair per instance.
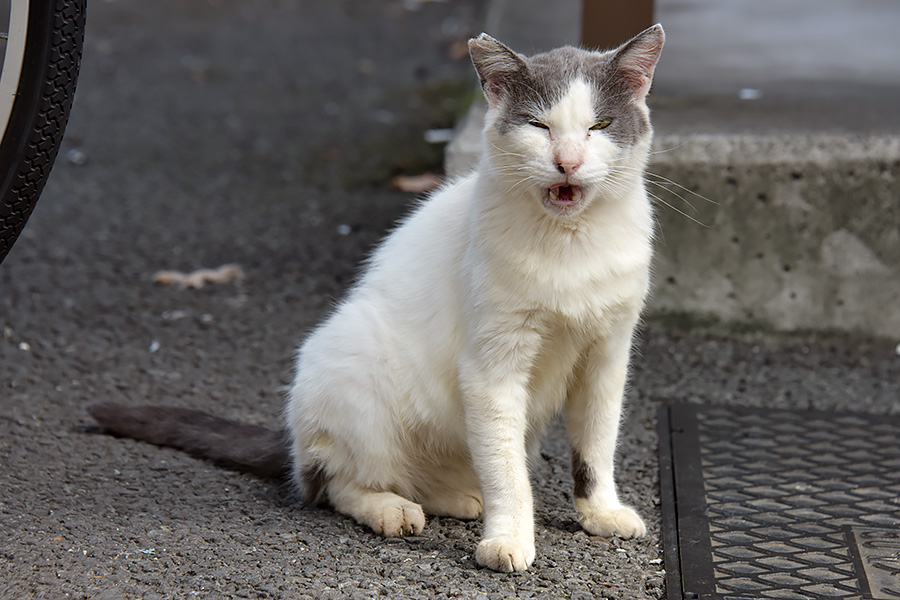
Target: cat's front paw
{"points": [[505, 553], [621, 521]]}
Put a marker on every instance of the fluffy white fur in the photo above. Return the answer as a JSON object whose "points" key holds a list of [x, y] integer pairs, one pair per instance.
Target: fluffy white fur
{"points": [[485, 314]]}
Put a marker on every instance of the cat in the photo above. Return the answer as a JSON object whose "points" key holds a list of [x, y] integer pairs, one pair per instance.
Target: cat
{"points": [[505, 298]]}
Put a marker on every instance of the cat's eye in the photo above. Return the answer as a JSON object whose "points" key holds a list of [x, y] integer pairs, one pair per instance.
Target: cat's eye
{"points": [[601, 125], [538, 124]]}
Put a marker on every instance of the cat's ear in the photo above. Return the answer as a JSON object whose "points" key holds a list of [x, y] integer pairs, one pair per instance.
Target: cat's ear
{"points": [[636, 59], [496, 65]]}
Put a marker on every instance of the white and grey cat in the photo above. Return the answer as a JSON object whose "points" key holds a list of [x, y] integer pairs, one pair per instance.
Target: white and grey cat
{"points": [[507, 297]]}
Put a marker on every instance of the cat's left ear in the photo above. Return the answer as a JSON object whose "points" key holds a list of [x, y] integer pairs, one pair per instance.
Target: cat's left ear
{"points": [[636, 59], [497, 66]]}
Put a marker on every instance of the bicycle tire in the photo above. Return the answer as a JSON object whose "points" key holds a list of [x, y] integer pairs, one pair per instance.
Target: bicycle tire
{"points": [[54, 37]]}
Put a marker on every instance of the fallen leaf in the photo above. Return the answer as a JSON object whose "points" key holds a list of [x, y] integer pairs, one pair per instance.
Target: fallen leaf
{"points": [[417, 184], [198, 278]]}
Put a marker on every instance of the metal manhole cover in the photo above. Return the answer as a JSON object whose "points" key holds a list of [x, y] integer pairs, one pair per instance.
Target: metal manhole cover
{"points": [[779, 504]]}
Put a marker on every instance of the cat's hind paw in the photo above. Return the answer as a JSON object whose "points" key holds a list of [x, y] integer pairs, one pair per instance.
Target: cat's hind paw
{"points": [[623, 522], [504, 553], [397, 518], [386, 513]]}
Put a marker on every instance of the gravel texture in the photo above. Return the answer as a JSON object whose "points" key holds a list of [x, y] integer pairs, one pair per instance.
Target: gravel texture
{"points": [[265, 134]]}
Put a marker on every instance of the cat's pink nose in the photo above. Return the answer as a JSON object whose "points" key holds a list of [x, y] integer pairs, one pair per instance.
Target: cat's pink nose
{"points": [[568, 167], [568, 155]]}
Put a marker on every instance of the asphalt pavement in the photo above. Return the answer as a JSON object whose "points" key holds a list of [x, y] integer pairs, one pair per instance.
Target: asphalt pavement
{"points": [[265, 134]]}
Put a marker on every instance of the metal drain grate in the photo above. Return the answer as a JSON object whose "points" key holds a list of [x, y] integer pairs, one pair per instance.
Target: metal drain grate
{"points": [[779, 504]]}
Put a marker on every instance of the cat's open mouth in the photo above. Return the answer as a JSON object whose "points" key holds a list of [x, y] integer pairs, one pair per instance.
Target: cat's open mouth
{"points": [[564, 196]]}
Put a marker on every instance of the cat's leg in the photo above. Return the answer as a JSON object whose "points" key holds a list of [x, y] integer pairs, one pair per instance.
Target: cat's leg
{"points": [[494, 372], [385, 512], [593, 411]]}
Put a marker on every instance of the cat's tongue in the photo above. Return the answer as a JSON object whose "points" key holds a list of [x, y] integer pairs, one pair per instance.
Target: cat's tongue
{"points": [[565, 195]]}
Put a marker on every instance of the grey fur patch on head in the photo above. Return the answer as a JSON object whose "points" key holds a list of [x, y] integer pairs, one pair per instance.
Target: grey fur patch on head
{"points": [[523, 87]]}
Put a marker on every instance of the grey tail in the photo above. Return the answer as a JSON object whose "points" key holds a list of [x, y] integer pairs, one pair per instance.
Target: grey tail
{"points": [[232, 444]]}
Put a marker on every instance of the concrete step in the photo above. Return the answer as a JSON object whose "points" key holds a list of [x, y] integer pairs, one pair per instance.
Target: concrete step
{"points": [[798, 232]]}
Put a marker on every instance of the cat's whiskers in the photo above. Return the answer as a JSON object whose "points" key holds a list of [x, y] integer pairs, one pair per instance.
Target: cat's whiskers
{"points": [[506, 152], [509, 168], [663, 184], [524, 180], [517, 173], [622, 169], [664, 150], [615, 185], [515, 169], [512, 171], [681, 212], [623, 179], [665, 180]]}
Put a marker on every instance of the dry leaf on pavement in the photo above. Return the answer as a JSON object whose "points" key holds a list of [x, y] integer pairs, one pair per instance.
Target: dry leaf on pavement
{"points": [[198, 278], [417, 184]]}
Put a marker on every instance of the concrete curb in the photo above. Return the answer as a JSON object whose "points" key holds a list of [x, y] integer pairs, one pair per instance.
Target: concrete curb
{"points": [[803, 234]]}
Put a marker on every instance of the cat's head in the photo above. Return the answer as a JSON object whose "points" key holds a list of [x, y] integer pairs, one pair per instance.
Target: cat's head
{"points": [[568, 126]]}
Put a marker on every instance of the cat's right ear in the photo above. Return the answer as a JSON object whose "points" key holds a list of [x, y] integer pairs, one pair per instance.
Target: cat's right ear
{"points": [[496, 65]]}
